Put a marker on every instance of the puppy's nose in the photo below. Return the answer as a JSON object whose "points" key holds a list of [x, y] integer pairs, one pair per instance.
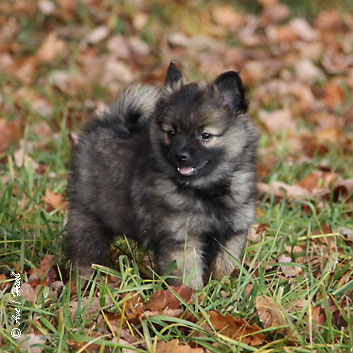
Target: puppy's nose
{"points": [[182, 156]]}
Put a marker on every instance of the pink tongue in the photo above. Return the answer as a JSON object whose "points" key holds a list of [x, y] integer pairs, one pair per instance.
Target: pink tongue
{"points": [[185, 170]]}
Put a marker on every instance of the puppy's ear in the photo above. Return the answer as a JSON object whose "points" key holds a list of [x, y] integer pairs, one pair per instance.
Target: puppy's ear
{"points": [[174, 78], [229, 89]]}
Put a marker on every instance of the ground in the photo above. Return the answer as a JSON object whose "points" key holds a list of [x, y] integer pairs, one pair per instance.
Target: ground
{"points": [[62, 61]]}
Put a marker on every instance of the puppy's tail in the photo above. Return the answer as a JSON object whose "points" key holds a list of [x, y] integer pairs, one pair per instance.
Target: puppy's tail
{"points": [[134, 106]]}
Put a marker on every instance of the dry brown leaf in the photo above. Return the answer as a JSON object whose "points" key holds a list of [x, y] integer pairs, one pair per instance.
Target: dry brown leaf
{"points": [[166, 299], [270, 314], [165, 311], [25, 7], [118, 47], [226, 16], [54, 200], [281, 34], [289, 271], [236, 328], [67, 9], [47, 7], [3, 284], [348, 114], [329, 20], [306, 71], [283, 190], [23, 159], [44, 274], [139, 20], [273, 11], [346, 231], [277, 120], [318, 179], [303, 30], [257, 231], [329, 134], [4, 136], [25, 69], [112, 70], [30, 343], [163, 302], [333, 94], [138, 47], [296, 249], [319, 316], [97, 35], [174, 346], [89, 305], [50, 47], [28, 293]]}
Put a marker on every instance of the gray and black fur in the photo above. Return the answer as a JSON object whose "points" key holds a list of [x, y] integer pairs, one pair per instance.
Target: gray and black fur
{"points": [[173, 169]]}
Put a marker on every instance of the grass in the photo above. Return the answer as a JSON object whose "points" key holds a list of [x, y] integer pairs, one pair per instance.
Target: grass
{"points": [[30, 231], [65, 315]]}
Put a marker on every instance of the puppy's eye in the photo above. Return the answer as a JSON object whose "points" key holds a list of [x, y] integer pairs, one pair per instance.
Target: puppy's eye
{"points": [[171, 133], [206, 136]]}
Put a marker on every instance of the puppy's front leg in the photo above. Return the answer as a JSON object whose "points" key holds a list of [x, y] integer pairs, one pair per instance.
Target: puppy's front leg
{"points": [[189, 267], [223, 264]]}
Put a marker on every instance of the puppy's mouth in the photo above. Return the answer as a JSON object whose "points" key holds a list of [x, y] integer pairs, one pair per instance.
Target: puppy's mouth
{"points": [[190, 171]]}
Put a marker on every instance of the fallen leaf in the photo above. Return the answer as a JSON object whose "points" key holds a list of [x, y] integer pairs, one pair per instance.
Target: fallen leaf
{"points": [[270, 314], [273, 11], [114, 70], [97, 35], [25, 69], [318, 179], [166, 299], [306, 71], [283, 190], [87, 305], [329, 134], [277, 120], [44, 274], [328, 20], [47, 7], [303, 30], [139, 20], [23, 159], [257, 231], [67, 9], [346, 231], [333, 94], [318, 315], [32, 343], [138, 47], [28, 293], [178, 39], [348, 114], [118, 47], [281, 34], [296, 249], [236, 328], [55, 200], [25, 7], [226, 16], [34, 99], [3, 282], [289, 271], [174, 346], [4, 136], [50, 47]]}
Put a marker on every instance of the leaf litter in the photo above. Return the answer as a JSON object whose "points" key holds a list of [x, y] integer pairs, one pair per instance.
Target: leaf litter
{"points": [[305, 67]]}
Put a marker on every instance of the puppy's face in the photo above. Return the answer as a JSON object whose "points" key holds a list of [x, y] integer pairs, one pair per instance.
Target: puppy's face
{"points": [[191, 128], [194, 130]]}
